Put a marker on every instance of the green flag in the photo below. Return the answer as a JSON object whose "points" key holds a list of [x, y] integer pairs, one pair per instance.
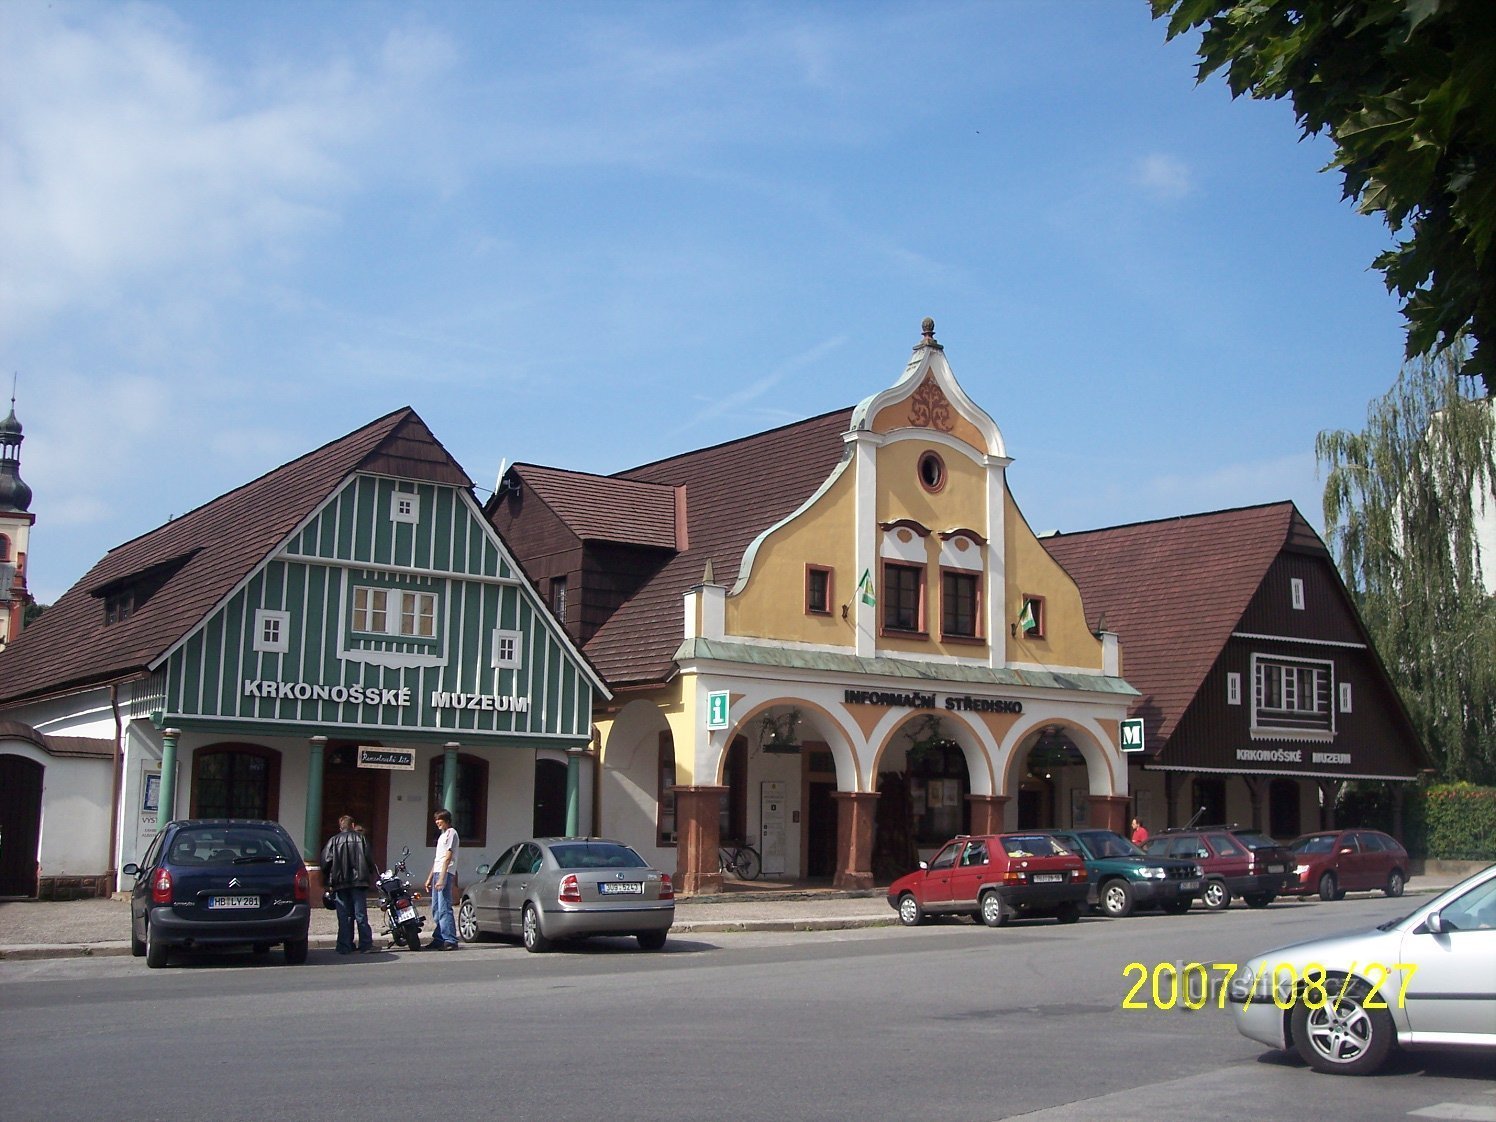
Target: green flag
{"points": [[1026, 618], [865, 587]]}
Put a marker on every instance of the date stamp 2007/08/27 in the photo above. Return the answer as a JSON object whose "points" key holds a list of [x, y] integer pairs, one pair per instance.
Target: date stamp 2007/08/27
{"points": [[1193, 986]]}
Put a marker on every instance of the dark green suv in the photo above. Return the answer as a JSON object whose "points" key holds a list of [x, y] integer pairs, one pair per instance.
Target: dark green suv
{"points": [[1123, 877]]}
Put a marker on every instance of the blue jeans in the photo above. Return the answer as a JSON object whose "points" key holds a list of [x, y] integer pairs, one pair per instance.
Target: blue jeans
{"points": [[353, 913], [443, 922]]}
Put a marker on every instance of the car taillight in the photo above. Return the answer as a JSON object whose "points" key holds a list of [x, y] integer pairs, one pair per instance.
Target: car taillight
{"points": [[571, 890], [161, 887], [301, 890], [667, 887], [1013, 876]]}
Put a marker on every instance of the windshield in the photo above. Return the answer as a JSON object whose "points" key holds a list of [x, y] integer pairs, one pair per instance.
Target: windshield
{"points": [[228, 845], [1315, 843], [597, 855], [1103, 843], [1257, 841]]}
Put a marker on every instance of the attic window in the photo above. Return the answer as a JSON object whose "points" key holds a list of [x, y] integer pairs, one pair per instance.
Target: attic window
{"points": [[1296, 593], [119, 606], [405, 506]]}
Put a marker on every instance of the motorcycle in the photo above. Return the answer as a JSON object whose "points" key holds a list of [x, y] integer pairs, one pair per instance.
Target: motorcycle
{"points": [[397, 905]]}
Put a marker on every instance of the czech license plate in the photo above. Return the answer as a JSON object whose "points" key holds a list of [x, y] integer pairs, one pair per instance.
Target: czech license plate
{"points": [[225, 902], [1277, 868], [1047, 878], [621, 887], [405, 914], [1188, 885]]}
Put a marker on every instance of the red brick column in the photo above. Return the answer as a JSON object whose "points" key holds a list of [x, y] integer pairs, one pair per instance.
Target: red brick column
{"points": [[697, 839], [987, 813], [855, 814], [1109, 812]]}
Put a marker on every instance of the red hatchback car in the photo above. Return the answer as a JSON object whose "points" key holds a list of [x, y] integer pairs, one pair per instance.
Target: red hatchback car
{"points": [[1334, 862], [993, 877]]}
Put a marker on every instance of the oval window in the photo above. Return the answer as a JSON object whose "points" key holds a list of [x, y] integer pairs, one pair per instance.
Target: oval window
{"points": [[931, 472]]}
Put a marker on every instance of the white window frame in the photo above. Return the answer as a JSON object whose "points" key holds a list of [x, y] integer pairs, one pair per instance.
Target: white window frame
{"points": [[513, 640], [405, 506], [267, 619], [1233, 688], [1296, 593], [396, 606], [1345, 697], [1291, 719]]}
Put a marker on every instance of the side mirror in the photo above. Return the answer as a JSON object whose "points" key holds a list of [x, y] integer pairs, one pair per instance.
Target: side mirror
{"points": [[481, 871], [1434, 921], [924, 864], [404, 853], [131, 870]]}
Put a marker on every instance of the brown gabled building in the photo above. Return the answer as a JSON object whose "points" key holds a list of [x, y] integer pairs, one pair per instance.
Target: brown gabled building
{"points": [[1260, 690]]}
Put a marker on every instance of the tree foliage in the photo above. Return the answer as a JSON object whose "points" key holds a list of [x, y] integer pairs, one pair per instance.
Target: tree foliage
{"points": [[1407, 91], [1402, 499]]}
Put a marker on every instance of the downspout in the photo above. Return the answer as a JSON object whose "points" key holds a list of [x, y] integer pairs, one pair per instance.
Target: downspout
{"points": [[119, 758]]}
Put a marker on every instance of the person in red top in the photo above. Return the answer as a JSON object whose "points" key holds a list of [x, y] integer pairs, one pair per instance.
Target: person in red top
{"points": [[1139, 832]]}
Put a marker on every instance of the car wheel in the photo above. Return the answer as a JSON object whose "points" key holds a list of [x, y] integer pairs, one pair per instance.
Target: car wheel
{"points": [[155, 949], [1394, 884], [295, 951], [1068, 913], [137, 944], [467, 922], [1178, 907], [1216, 897], [1116, 899], [1259, 899], [1342, 1037], [535, 940], [910, 913], [995, 911], [650, 940], [1327, 888]]}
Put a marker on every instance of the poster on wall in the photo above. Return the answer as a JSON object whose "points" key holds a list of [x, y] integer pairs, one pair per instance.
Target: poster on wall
{"points": [[1080, 807]]}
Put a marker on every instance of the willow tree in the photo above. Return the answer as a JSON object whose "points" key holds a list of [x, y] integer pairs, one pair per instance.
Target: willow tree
{"points": [[1403, 502]]}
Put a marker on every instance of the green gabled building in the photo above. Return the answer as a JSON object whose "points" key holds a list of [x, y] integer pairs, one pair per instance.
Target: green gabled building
{"points": [[345, 634]]}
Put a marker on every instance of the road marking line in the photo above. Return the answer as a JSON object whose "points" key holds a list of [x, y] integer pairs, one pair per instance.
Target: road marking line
{"points": [[1460, 1112]]}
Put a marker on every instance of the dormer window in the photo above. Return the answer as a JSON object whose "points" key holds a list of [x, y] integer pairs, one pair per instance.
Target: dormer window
{"points": [[119, 606], [405, 506]]}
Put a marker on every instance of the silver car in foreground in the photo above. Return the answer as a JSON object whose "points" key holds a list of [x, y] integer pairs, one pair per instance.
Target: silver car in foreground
{"points": [[550, 889], [1427, 980]]}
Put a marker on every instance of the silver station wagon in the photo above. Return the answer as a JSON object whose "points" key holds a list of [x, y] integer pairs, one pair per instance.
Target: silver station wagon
{"points": [[548, 890]]}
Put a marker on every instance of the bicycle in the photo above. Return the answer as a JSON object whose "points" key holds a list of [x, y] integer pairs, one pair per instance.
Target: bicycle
{"points": [[740, 859]]}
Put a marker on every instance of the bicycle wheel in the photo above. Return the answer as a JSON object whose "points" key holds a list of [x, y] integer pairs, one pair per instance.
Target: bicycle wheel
{"points": [[748, 863]]}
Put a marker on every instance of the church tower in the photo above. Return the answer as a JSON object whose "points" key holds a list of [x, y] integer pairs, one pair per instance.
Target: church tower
{"points": [[15, 530]]}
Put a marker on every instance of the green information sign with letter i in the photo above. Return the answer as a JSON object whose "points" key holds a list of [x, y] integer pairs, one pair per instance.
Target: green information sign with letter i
{"points": [[717, 709], [1132, 734]]}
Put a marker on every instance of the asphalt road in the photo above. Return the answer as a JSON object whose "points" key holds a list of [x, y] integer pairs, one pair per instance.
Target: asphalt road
{"points": [[949, 1021]]}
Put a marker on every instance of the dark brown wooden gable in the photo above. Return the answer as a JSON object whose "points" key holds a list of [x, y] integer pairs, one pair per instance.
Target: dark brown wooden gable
{"points": [[411, 451], [540, 540], [1327, 614]]}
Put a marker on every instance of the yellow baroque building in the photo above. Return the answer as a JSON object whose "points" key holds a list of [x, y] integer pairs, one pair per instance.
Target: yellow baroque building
{"points": [[838, 640]]}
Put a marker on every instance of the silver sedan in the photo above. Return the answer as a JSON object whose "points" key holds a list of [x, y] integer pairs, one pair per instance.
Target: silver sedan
{"points": [[1427, 980], [550, 889]]}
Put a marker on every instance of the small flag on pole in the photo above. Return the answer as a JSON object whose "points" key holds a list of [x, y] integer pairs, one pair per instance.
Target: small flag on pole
{"points": [[1026, 619], [865, 587]]}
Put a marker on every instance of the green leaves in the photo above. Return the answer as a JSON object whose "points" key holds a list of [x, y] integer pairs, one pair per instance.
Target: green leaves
{"points": [[1407, 91]]}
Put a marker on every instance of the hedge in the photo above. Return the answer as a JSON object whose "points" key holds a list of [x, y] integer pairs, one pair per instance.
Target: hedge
{"points": [[1452, 822]]}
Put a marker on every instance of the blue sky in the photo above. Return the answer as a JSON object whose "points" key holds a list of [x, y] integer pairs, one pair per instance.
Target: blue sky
{"points": [[597, 234]]}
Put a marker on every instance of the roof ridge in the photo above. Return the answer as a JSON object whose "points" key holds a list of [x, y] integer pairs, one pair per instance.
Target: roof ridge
{"points": [[1176, 518], [694, 452]]}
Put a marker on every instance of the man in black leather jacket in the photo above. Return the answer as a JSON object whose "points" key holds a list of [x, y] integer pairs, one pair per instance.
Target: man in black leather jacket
{"points": [[347, 869]]}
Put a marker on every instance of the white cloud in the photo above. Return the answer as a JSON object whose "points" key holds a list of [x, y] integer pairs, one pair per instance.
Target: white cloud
{"points": [[1164, 177]]}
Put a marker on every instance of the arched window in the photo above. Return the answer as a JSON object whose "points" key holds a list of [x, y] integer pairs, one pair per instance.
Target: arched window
{"points": [[235, 781], [470, 815]]}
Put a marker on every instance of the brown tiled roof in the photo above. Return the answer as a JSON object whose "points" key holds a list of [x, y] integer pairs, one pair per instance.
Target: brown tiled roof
{"points": [[1174, 590], [83, 747], [734, 492], [606, 508], [202, 554]]}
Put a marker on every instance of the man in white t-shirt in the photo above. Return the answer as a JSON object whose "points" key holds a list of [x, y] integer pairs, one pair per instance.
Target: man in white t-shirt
{"points": [[440, 882]]}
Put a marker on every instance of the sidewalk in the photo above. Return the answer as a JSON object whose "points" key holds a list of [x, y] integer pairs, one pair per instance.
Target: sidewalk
{"points": [[31, 929]]}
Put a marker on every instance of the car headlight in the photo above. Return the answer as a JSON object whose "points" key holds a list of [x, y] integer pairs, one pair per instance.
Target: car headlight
{"points": [[1152, 872], [1301, 869], [1199, 870]]}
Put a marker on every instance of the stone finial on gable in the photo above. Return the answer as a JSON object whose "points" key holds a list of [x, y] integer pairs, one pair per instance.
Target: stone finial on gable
{"points": [[927, 329]]}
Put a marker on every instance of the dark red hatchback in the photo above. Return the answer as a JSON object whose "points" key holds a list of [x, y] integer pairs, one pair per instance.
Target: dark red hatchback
{"points": [[1334, 862], [992, 878]]}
